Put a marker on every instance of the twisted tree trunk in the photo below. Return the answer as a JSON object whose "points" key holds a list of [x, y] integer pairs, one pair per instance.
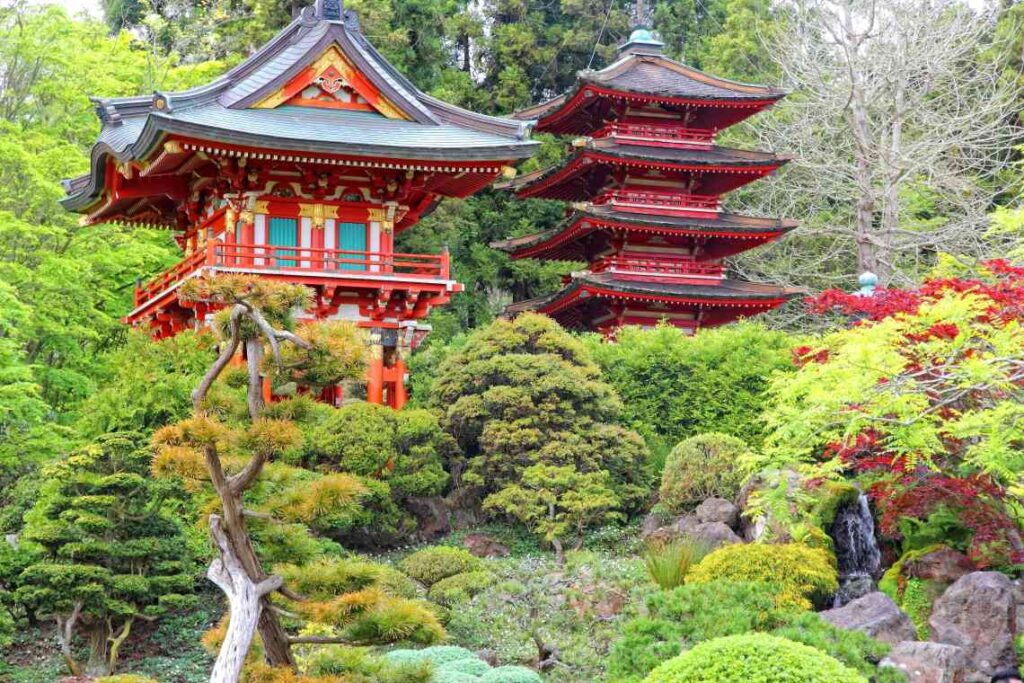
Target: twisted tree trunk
{"points": [[245, 605]]}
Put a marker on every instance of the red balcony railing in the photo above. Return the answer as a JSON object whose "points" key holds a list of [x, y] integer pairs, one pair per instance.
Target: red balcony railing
{"points": [[659, 202], [332, 263], [657, 134], [658, 268]]}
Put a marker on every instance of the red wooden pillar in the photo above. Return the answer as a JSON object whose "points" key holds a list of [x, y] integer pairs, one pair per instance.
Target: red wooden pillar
{"points": [[247, 247], [401, 392], [317, 255]]}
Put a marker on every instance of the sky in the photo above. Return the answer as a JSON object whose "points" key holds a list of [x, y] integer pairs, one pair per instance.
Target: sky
{"points": [[76, 6]]}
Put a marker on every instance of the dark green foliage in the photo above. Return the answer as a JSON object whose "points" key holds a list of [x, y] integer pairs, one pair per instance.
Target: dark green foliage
{"points": [[525, 393], [407, 449], [674, 386], [108, 553]]}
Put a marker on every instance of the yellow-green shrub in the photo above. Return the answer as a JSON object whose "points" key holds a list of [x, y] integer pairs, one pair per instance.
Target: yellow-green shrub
{"points": [[700, 467], [800, 574], [125, 678], [330, 577], [753, 658], [430, 565], [460, 587]]}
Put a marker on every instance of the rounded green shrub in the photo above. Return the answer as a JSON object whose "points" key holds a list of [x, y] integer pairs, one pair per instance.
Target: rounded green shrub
{"points": [[703, 466], [852, 648], [799, 573], [473, 667], [753, 658], [125, 678], [430, 565], [679, 618], [447, 676], [511, 674], [460, 587], [438, 654]]}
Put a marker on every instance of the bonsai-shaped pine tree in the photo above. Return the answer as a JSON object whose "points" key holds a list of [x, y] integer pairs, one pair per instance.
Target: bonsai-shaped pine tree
{"points": [[556, 502], [107, 553], [525, 393], [256, 315]]}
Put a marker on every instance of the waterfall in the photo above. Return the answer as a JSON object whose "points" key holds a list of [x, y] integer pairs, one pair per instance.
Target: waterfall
{"points": [[857, 555]]}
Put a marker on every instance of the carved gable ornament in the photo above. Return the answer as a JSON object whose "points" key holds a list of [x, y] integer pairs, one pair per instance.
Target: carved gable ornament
{"points": [[331, 82]]}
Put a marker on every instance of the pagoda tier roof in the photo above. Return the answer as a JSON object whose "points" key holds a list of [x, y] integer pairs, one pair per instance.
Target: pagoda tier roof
{"points": [[647, 77], [557, 182], [565, 242], [732, 297], [252, 106]]}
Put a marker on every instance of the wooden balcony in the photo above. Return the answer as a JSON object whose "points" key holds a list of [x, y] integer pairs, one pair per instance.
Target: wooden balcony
{"points": [[659, 202], [659, 269], [357, 269], [657, 135]]}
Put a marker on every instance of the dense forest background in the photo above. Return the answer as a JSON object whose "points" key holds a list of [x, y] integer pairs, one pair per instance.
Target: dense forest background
{"points": [[930, 182]]}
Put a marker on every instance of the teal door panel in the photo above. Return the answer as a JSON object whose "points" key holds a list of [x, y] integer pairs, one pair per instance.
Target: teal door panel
{"points": [[351, 237], [284, 232]]}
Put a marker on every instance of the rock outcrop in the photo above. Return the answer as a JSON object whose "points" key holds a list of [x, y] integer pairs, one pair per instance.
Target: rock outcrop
{"points": [[978, 613], [928, 662], [718, 510], [876, 615]]}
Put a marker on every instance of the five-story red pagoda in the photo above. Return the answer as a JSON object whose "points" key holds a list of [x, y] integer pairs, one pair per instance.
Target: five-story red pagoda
{"points": [[646, 182], [300, 164]]}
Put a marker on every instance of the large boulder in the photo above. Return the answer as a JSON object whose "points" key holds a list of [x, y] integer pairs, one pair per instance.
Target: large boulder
{"points": [[928, 662], [433, 518], [713, 534], [944, 565], [718, 510], [979, 614], [876, 615], [482, 545]]}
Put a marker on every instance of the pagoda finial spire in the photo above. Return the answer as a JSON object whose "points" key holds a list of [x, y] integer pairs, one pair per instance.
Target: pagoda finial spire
{"points": [[329, 10]]}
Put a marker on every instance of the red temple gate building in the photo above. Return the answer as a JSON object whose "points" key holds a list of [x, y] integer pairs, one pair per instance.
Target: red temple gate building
{"points": [[300, 164], [645, 183]]}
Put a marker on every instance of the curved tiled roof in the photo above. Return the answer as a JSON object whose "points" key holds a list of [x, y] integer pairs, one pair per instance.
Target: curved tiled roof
{"points": [[659, 76], [221, 112], [721, 223], [726, 291]]}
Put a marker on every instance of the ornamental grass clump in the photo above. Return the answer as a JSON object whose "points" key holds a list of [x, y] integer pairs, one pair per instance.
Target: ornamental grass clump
{"points": [[799, 574], [668, 563], [753, 658], [430, 565]]}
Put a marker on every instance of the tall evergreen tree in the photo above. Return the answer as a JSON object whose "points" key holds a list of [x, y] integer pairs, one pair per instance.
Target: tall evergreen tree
{"points": [[108, 552]]}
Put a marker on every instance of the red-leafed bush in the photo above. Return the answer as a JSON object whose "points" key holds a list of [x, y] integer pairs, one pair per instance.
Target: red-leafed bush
{"points": [[920, 397]]}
